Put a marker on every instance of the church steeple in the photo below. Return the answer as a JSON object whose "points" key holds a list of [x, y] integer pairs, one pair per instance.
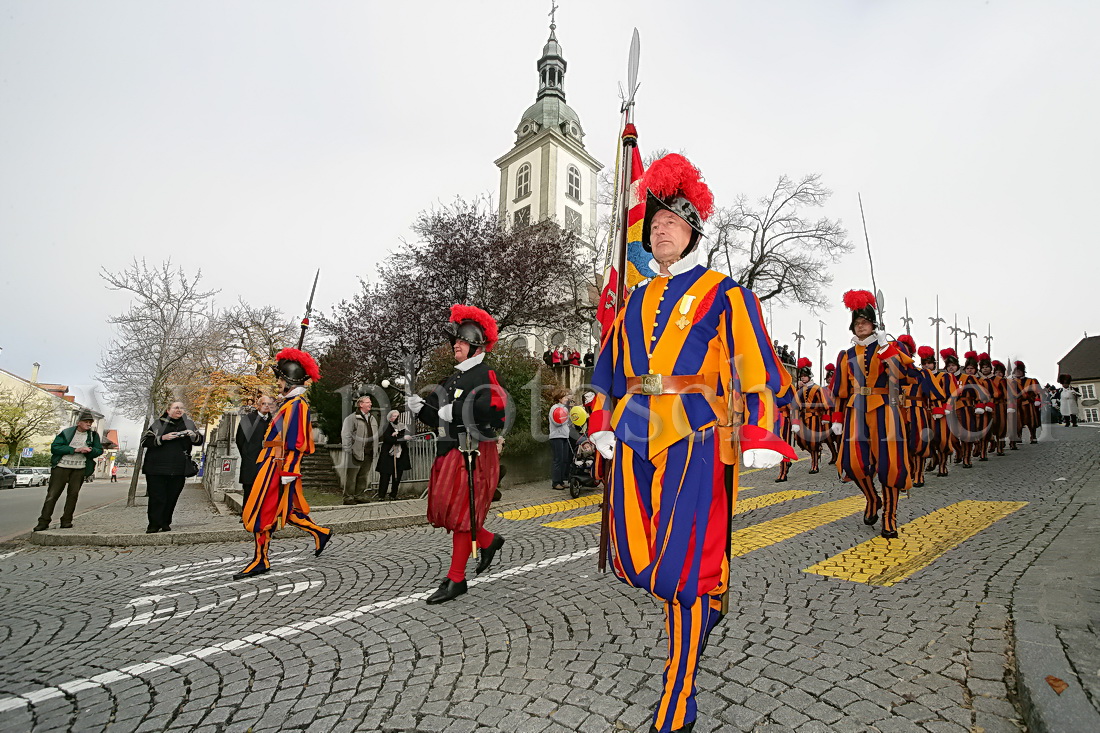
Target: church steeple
{"points": [[551, 68]]}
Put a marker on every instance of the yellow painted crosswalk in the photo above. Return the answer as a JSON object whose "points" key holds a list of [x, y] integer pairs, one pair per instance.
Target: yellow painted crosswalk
{"points": [[769, 533], [554, 507], [920, 542]]}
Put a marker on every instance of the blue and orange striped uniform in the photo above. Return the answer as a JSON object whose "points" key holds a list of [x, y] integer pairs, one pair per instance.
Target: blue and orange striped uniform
{"points": [[811, 411], [941, 385], [1027, 412], [273, 504], [969, 426], [673, 479], [997, 386], [917, 409], [874, 439]]}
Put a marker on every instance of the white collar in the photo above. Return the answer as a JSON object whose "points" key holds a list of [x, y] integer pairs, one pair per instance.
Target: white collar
{"points": [[680, 266], [300, 389], [865, 342], [473, 361]]}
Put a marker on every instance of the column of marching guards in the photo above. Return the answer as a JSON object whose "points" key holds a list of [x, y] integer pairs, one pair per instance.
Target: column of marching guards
{"points": [[888, 411]]}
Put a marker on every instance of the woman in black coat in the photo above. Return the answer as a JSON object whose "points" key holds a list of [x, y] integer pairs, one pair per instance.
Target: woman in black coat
{"points": [[167, 464], [393, 455]]}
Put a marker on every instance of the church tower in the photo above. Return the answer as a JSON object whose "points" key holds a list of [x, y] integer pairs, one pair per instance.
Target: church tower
{"points": [[548, 174]]}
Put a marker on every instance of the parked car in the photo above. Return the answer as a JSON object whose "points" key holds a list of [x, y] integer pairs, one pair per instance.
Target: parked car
{"points": [[30, 477], [7, 478]]}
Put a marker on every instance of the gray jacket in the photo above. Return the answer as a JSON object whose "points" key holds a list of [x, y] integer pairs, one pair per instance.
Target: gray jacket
{"points": [[359, 436]]}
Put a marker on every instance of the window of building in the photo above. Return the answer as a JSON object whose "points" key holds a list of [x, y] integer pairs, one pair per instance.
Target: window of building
{"points": [[522, 216], [1088, 391], [1092, 414], [523, 181], [573, 220], [573, 182]]}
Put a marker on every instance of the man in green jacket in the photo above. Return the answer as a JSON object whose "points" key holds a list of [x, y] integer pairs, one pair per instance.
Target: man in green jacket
{"points": [[73, 452]]}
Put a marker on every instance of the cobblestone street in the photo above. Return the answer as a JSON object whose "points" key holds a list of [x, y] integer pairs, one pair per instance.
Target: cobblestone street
{"points": [[831, 627]]}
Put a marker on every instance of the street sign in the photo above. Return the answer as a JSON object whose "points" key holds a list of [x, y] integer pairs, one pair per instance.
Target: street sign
{"points": [[27, 453], [227, 466]]}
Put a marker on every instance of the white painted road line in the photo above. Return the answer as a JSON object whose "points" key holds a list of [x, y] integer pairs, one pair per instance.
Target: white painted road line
{"points": [[220, 561], [187, 577], [14, 702], [164, 614]]}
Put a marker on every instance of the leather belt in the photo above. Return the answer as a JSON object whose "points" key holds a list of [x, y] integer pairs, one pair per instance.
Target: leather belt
{"points": [[656, 384], [868, 391]]}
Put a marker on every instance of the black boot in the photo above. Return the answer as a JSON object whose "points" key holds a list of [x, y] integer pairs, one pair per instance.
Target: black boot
{"points": [[322, 542], [870, 520], [152, 529], [258, 570], [688, 727], [489, 553], [448, 591], [890, 534]]}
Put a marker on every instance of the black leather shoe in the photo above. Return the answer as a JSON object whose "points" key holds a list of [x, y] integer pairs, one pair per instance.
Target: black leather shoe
{"points": [[152, 529], [258, 570], [814, 471], [166, 528], [448, 591], [870, 520], [40, 527], [919, 485], [890, 534], [489, 553], [66, 526], [688, 727], [322, 542], [983, 459]]}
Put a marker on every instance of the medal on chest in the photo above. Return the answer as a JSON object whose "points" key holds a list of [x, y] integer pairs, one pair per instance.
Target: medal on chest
{"points": [[685, 308]]}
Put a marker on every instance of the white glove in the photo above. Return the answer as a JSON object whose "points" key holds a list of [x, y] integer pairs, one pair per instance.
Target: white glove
{"points": [[796, 428], [1012, 409], [837, 428], [979, 411], [881, 338], [414, 402], [287, 480], [604, 442], [936, 416], [445, 412], [1038, 403], [762, 458], [946, 411]]}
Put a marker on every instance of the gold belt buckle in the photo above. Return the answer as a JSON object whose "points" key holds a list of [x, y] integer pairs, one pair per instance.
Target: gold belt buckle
{"points": [[865, 391], [651, 384]]}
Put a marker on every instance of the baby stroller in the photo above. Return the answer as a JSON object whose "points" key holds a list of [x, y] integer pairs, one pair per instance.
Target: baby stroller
{"points": [[583, 468]]}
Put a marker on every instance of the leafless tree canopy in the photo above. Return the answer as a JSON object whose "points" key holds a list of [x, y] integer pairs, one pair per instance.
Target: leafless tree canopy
{"points": [[774, 248], [25, 413]]}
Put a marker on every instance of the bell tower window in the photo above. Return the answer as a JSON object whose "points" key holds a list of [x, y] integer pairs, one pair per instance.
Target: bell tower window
{"points": [[573, 182], [523, 181]]}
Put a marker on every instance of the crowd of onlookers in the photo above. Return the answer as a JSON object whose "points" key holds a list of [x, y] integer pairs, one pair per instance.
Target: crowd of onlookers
{"points": [[559, 356]]}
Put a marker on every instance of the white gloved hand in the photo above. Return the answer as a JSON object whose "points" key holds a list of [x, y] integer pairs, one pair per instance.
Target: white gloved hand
{"points": [[979, 411], [837, 428], [796, 428], [937, 416], [1038, 403], [880, 336], [445, 412], [1012, 409], [946, 411], [287, 480], [604, 442], [414, 402], [762, 458]]}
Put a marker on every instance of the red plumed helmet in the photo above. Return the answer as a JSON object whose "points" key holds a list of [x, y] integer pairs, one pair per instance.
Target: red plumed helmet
{"points": [[983, 356], [997, 364], [804, 363], [472, 325], [948, 352], [1020, 365], [301, 358], [926, 352], [971, 355], [908, 341], [856, 299], [674, 174], [830, 367]]}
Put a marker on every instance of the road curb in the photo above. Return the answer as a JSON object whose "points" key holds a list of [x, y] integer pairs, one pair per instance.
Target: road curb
{"points": [[1039, 653]]}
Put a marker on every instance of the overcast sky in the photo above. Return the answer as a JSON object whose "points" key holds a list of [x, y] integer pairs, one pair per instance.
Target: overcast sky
{"points": [[257, 140]]}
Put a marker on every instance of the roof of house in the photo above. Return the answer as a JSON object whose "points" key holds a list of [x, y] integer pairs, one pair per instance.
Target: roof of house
{"points": [[1083, 360]]}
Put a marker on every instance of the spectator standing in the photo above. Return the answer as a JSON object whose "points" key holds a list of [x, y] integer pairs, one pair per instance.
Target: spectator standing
{"points": [[114, 473], [589, 359], [393, 455], [250, 440], [1067, 399], [168, 443], [358, 436], [548, 357], [72, 458], [560, 453], [555, 357]]}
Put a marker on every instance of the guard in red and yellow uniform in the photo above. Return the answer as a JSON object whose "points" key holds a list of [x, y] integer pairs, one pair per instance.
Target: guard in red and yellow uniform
{"points": [[985, 373], [695, 384], [831, 439], [276, 498], [868, 377], [941, 385], [913, 401], [968, 400], [1029, 402], [811, 412], [998, 391]]}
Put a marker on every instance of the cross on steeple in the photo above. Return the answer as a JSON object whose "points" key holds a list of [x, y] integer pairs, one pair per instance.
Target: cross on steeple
{"points": [[553, 11]]}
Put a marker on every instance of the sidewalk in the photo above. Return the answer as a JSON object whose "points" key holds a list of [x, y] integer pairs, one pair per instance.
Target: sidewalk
{"points": [[197, 519], [1056, 613]]}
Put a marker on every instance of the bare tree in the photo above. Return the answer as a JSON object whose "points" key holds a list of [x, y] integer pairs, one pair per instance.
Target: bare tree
{"points": [[166, 325], [773, 248], [24, 413], [256, 333]]}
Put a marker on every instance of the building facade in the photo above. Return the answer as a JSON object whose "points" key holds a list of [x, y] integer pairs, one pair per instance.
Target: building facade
{"points": [[1082, 364]]}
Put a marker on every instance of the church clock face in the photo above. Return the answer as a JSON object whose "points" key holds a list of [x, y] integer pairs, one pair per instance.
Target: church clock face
{"points": [[573, 220]]}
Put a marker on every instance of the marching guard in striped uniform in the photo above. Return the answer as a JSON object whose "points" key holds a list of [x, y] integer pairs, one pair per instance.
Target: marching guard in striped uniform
{"points": [[985, 372], [811, 411], [998, 392], [968, 399], [831, 439], [467, 410], [913, 401], [950, 382], [874, 442], [1028, 403], [935, 396], [276, 498], [696, 385], [786, 432]]}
